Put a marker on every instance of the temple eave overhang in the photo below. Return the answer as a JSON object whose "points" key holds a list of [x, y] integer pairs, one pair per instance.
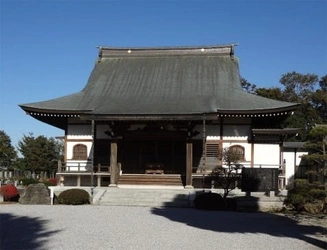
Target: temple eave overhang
{"points": [[146, 117], [258, 112], [69, 115], [52, 112], [284, 131], [84, 116]]}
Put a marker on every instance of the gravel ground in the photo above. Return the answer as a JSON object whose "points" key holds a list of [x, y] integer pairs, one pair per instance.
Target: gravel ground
{"points": [[113, 227]]}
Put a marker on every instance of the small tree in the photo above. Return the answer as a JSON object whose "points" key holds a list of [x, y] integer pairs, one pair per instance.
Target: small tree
{"points": [[227, 177], [317, 157], [39, 153], [7, 151]]}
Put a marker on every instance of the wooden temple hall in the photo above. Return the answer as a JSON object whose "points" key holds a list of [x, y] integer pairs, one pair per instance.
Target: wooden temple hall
{"points": [[162, 116]]}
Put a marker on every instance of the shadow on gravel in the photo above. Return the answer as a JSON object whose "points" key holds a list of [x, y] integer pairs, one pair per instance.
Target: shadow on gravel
{"points": [[243, 222], [22, 232]]}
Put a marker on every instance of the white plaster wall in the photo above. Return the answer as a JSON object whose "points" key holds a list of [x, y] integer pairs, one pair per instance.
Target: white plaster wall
{"points": [[78, 165], [71, 144], [291, 162], [266, 155]]}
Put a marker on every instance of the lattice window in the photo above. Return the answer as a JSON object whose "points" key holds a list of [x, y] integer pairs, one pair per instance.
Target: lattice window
{"points": [[238, 150], [80, 152], [212, 150], [212, 153]]}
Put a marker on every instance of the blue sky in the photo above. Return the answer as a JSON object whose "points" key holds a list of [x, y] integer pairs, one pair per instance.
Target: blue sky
{"points": [[48, 48]]}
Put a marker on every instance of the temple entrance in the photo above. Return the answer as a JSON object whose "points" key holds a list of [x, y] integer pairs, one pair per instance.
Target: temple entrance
{"points": [[153, 157], [151, 150], [136, 156]]}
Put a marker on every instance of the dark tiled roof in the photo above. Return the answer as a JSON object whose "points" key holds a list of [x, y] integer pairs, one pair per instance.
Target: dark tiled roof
{"points": [[163, 81]]}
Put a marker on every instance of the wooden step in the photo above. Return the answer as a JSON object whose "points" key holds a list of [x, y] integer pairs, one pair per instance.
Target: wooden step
{"points": [[150, 179]]}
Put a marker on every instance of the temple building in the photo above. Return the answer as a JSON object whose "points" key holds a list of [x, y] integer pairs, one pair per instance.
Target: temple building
{"points": [[163, 116]]}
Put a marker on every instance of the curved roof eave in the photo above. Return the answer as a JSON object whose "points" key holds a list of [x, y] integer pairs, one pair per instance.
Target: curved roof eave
{"points": [[52, 111], [259, 111], [69, 104]]}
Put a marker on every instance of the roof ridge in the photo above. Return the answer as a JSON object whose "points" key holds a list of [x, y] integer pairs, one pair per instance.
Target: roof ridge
{"points": [[170, 47], [156, 51]]}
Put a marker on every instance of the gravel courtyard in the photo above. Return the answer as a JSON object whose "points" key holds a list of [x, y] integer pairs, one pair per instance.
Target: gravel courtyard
{"points": [[113, 227]]}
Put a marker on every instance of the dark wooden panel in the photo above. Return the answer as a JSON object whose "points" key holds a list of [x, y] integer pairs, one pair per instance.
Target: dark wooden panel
{"points": [[259, 179]]}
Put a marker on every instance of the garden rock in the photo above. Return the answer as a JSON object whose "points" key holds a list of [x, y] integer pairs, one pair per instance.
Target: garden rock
{"points": [[36, 194]]}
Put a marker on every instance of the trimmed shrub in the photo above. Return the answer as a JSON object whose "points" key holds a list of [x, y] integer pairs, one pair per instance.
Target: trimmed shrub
{"points": [[297, 201], [316, 193], [9, 193], [304, 195], [74, 197], [301, 183], [209, 201], [28, 181]]}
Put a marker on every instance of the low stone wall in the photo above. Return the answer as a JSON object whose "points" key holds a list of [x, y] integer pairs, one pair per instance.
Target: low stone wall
{"points": [[259, 205], [255, 201]]}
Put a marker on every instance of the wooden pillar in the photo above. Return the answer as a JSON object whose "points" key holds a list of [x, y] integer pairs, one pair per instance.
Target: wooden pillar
{"points": [[252, 146], [78, 184], [280, 154], [99, 180], [189, 164], [93, 129], [252, 154], [65, 149], [113, 164]]}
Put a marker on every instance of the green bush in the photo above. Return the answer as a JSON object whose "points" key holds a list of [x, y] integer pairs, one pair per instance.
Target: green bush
{"points": [[317, 193], [296, 201], [301, 183], [28, 181], [74, 197], [304, 193], [209, 201]]}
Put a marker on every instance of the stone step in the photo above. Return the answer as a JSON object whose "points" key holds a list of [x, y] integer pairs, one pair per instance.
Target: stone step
{"points": [[150, 179], [165, 197], [145, 197]]}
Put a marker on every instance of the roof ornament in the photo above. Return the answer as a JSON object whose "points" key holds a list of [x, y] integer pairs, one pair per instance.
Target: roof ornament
{"points": [[232, 51], [100, 54]]}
